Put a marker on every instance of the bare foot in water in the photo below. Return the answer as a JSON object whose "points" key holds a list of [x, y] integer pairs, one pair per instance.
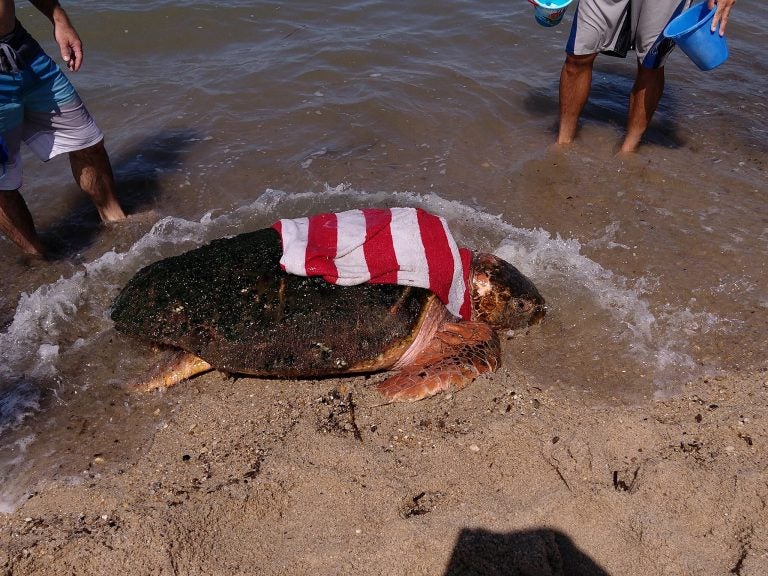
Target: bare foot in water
{"points": [[134, 219], [131, 227]]}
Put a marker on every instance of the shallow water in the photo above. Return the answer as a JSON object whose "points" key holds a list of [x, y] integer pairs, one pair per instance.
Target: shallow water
{"points": [[221, 119]]}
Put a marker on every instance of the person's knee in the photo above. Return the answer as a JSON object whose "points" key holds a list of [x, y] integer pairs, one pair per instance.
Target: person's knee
{"points": [[649, 79], [92, 151], [650, 74], [579, 62], [6, 196]]}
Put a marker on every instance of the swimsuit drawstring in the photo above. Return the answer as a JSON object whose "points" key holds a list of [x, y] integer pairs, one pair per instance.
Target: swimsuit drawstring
{"points": [[9, 59]]}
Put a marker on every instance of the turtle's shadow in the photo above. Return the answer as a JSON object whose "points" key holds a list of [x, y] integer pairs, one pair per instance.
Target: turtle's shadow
{"points": [[540, 552], [138, 186], [609, 104]]}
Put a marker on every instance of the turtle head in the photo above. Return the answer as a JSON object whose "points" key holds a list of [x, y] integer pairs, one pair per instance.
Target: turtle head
{"points": [[501, 295]]}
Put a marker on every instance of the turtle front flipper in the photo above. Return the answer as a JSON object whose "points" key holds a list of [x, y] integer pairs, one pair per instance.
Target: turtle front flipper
{"points": [[181, 366], [457, 354]]}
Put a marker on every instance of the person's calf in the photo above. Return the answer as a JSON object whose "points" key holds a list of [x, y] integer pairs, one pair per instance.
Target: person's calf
{"points": [[17, 224], [93, 173], [643, 101], [575, 84]]}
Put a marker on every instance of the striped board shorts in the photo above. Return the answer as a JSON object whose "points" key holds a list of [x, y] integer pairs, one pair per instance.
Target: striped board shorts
{"points": [[614, 27]]}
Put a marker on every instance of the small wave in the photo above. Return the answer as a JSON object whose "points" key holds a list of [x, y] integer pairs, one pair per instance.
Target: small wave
{"points": [[17, 401], [71, 314]]}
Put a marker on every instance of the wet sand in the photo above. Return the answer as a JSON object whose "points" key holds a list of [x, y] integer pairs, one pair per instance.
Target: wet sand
{"points": [[651, 272], [269, 477]]}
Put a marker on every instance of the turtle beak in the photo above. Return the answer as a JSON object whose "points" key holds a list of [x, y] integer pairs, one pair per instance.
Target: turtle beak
{"points": [[524, 311], [539, 311]]}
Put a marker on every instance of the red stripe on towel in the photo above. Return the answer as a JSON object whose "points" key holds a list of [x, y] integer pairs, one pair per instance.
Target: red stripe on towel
{"points": [[321, 247], [379, 248], [438, 254]]}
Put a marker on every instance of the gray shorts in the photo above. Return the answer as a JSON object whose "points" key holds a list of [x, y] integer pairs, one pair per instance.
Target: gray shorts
{"points": [[616, 26]]}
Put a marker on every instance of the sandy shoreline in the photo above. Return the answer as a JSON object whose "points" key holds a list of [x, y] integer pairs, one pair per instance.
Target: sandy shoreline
{"points": [[258, 477]]}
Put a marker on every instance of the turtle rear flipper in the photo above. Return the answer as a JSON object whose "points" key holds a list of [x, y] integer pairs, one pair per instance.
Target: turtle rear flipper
{"points": [[457, 354], [179, 367]]}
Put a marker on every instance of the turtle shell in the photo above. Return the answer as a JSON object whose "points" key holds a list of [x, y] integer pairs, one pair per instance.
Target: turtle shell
{"points": [[231, 304]]}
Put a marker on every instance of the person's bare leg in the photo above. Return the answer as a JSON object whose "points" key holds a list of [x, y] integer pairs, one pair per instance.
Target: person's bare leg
{"points": [[643, 101], [93, 172], [575, 84], [16, 223]]}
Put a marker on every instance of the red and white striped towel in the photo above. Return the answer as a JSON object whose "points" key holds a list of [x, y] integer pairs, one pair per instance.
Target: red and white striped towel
{"points": [[405, 246]]}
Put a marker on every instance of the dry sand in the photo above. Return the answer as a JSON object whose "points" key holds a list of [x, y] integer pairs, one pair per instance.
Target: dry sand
{"points": [[266, 477]]}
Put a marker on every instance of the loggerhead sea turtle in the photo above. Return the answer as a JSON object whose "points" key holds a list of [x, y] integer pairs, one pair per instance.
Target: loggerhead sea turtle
{"points": [[229, 306]]}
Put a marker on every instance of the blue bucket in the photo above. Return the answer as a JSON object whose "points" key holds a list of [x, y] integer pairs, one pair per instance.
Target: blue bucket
{"points": [[691, 30], [549, 12]]}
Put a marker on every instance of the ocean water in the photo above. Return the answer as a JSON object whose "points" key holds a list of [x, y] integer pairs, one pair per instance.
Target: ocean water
{"points": [[222, 117]]}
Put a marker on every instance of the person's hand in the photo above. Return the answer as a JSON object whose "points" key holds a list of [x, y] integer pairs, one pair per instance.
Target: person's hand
{"points": [[70, 44], [721, 14]]}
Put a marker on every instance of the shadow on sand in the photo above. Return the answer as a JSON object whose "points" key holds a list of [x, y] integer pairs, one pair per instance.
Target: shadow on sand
{"points": [[138, 185], [541, 552]]}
